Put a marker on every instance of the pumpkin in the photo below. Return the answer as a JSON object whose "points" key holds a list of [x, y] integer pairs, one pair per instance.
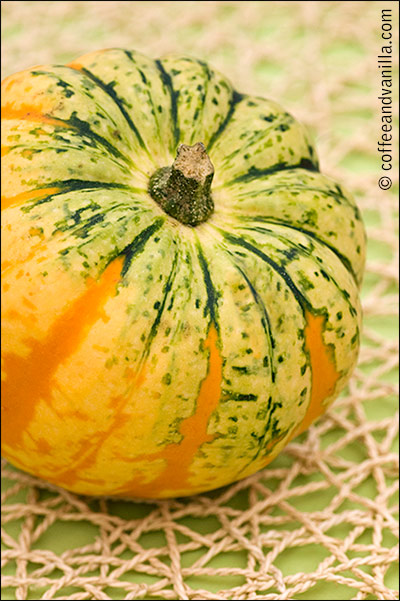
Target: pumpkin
{"points": [[180, 282]]}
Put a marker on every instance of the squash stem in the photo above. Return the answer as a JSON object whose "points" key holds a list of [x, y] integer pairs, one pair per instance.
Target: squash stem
{"points": [[184, 189]]}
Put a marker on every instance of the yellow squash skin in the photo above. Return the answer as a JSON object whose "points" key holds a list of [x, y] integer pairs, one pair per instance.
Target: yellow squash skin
{"points": [[146, 358]]}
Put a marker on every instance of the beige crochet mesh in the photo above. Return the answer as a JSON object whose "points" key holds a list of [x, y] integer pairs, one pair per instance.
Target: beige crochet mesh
{"points": [[320, 522]]}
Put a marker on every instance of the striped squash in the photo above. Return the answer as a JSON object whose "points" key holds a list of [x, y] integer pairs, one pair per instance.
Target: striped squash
{"points": [[180, 282]]}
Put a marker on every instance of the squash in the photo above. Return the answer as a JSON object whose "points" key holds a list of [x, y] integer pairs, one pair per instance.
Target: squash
{"points": [[180, 282]]}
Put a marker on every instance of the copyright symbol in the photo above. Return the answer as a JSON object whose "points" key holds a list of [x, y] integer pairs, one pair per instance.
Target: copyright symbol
{"points": [[385, 182]]}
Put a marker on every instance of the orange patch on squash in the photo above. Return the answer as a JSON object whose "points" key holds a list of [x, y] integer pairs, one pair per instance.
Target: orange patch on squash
{"points": [[27, 112], [267, 450], [92, 55], [29, 379], [178, 457], [20, 199], [323, 371], [86, 455], [36, 231], [75, 66], [35, 249], [5, 265]]}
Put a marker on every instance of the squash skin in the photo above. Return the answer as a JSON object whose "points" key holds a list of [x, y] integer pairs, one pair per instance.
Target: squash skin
{"points": [[143, 357]]}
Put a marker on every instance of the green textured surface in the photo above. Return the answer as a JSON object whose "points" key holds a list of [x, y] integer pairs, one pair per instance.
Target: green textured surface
{"points": [[280, 39]]}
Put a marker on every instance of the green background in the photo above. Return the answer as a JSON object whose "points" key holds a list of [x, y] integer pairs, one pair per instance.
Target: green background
{"points": [[319, 59]]}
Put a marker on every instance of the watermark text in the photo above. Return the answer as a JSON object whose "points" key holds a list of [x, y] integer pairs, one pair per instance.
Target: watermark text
{"points": [[385, 147]]}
